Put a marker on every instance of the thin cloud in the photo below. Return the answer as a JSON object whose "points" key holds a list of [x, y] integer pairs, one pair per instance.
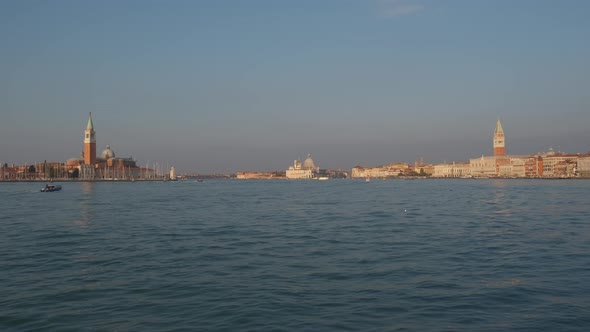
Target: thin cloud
{"points": [[395, 8]]}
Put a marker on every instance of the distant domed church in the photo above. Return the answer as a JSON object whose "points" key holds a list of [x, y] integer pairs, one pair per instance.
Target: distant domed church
{"points": [[107, 166], [307, 170]]}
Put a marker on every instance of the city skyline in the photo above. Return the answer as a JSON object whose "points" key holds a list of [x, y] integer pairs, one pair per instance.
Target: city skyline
{"points": [[89, 166], [224, 86]]}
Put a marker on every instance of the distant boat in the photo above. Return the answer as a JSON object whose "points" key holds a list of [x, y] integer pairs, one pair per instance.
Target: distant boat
{"points": [[368, 180], [50, 188], [322, 178]]}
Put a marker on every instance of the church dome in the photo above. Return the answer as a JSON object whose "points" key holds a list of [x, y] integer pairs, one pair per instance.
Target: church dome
{"points": [[108, 153], [308, 163]]}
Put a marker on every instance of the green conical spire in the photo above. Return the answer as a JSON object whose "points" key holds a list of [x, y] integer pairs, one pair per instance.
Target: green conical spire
{"points": [[90, 126], [499, 127]]}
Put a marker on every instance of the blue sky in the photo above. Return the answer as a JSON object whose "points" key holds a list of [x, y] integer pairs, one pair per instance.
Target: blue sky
{"points": [[222, 86]]}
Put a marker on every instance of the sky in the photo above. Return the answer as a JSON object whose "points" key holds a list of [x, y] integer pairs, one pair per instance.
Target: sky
{"points": [[219, 86]]}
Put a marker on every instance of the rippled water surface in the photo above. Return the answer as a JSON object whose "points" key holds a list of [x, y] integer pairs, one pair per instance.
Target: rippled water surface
{"points": [[415, 255]]}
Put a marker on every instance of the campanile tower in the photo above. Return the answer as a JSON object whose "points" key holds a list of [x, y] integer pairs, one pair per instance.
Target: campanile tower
{"points": [[499, 141], [89, 143]]}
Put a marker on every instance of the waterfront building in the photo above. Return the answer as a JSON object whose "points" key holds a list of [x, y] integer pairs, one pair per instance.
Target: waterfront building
{"points": [[371, 172], [111, 167], [8, 172], [307, 170], [452, 170], [420, 168], [43, 170], [443, 170], [461, 170], [260, 175], [566, 168], [487, 166], [546, 165], [502, 166], [517, 167], [395, 169], [385, 171], [557, 164], [583, 169], [533, 167], [359, 172]]}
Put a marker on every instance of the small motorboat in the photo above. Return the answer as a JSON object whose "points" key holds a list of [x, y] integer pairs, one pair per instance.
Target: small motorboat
{"points": [[50, 188]]}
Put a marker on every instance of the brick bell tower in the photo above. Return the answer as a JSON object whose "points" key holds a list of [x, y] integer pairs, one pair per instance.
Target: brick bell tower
{"points": [[89, 143], [499, 140]]}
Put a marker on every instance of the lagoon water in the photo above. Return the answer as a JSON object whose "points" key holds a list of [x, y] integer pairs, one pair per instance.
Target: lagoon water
{"points": [[338, 255]]}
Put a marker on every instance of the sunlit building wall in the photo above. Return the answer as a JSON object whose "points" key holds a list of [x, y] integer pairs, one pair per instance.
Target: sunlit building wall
{"points": [[518, 166], [452, 170], [584, 166], [443, 171], [387, 171], [550, 161], [485, 166]]}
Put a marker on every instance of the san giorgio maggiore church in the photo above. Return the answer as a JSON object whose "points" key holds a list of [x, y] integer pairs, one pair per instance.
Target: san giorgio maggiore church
{"points": [[89, 166]]}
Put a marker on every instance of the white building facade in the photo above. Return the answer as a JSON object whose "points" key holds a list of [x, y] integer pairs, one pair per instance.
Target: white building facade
{"points": [[453, 170], [307, 170]]}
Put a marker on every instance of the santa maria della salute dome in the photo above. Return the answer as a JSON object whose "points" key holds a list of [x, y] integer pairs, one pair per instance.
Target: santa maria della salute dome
{"points": [[308, 163], [307, 170]]}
